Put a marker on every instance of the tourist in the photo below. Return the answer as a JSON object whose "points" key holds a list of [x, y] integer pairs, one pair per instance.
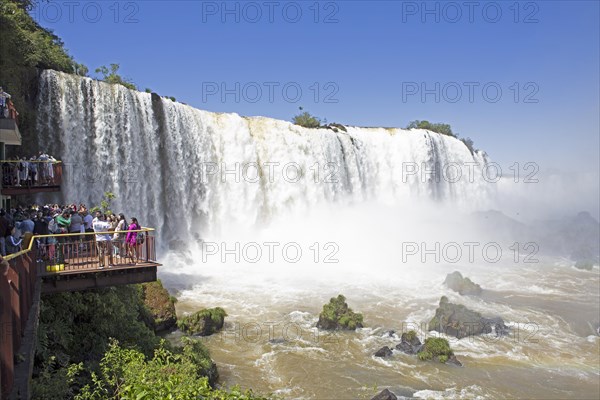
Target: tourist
{"points": [[76, 225], [118, 236], [88, 220], [101, 227], [64, 221], [132, 240], [26, 225], [13, 242], [4, 103], [41, 228]]}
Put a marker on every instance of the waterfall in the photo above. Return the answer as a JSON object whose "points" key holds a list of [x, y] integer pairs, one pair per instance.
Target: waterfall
{"points": [[187, 171]]}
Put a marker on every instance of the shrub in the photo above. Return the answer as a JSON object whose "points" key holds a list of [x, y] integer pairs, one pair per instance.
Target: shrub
{"points": [[306, 120], [337, 315], [443, 129], [435, 347]]}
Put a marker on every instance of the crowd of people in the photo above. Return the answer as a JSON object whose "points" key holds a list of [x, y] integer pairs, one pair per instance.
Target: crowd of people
{"points": [[114, 235], [32, 171]]}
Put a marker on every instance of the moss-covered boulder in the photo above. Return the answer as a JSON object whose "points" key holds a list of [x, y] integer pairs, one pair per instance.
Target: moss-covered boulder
{"points": [[410, 343], [336, 315], [457, 320], [204, 322], [462, 285], [160, 306], [437, 349]]}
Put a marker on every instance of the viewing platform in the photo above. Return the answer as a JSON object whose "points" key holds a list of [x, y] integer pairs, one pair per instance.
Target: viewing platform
{"points": [[51, 264], [9, 132], [48, 177]]}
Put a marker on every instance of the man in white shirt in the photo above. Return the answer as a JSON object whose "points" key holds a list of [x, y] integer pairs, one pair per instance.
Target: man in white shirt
{"points": [[101, 227]]}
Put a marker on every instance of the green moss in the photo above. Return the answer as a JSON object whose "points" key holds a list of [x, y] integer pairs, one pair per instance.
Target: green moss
{"points": [[411, 335], [204, 322], [337, 315], [435, 348], [160, 306]]}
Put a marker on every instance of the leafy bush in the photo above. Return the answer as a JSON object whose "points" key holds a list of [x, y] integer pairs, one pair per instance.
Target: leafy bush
{"points": [[337, 315], [127, 374], [435, 347], [306, 120], [443, 129], [110, 75]]}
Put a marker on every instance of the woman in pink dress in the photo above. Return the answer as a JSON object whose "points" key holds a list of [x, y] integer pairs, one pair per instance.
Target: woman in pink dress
{"points": [[131, 240]]}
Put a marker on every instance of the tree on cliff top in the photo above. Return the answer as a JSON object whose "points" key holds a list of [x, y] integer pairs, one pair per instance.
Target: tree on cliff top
{"points": [[110, 75]]}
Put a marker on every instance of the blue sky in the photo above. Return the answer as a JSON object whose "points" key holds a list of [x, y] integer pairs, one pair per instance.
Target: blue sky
{"points": [[372, 57]]}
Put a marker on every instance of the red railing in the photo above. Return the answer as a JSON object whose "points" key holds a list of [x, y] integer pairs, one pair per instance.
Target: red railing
{"points": [[48, 255], [47, 173], [76, 252], [18, 276]]}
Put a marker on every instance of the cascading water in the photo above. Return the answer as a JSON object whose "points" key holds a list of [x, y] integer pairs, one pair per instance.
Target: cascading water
{"points": [[188, 171]]}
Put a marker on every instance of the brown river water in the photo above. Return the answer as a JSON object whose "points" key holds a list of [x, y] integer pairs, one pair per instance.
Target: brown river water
{"points": [[270, 342]]}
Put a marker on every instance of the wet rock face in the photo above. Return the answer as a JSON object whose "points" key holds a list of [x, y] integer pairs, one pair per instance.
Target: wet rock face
{"points": [[410, 343], [458, 321], [385, 394], [383, 352], [462, 285]]}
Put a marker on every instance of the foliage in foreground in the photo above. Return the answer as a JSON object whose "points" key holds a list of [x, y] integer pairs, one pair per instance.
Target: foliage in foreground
{"points": [[127, 374]]}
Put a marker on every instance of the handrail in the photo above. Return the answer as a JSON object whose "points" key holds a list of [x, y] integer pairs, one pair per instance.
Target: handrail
{"points": [[25, 251]]}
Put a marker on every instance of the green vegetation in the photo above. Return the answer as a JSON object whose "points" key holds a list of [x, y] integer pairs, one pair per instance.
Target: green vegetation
{"points": [[27, 46], [410, 335], [435, 348], [110, 75], [337, 315], [443, 129], [204, 322], [96, 345], [104, 206], [127, 374], [307, 120]]}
